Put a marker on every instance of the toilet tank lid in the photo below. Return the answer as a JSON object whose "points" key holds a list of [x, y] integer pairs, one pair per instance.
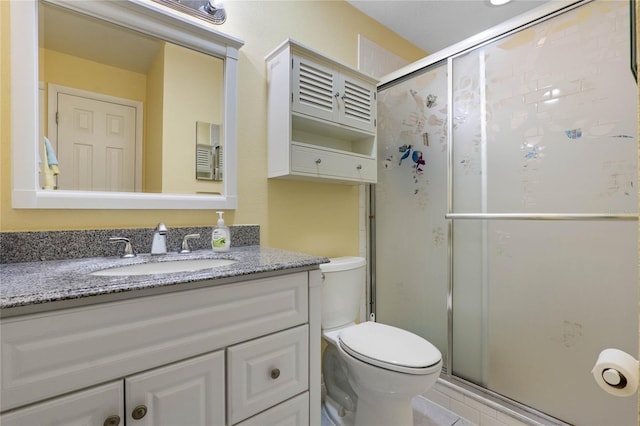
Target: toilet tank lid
{"points": [[344, 263]]}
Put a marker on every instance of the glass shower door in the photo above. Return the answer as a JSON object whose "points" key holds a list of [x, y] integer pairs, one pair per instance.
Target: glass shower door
{"points": [[544, 169], [543, 193], [411, 202]]}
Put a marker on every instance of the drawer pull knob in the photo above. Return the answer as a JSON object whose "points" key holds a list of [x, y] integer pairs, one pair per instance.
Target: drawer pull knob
{"points": [[319, 160], [275, 373], [359, 167], [112, 421], [139, 412]]}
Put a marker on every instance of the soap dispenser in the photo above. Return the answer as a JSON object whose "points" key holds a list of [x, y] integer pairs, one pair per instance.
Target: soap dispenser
{"points": [[221, 237]]}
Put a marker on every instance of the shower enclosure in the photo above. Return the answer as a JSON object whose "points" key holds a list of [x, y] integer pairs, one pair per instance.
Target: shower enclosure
{"points": [[505, 227]]}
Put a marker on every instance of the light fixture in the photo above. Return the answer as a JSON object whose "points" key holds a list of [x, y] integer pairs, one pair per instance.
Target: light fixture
{"points": [[215, 8], [209, 10], [499, 2]]}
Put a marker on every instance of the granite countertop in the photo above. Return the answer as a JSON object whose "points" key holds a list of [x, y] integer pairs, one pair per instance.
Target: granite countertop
{"points": [[40, 283]]}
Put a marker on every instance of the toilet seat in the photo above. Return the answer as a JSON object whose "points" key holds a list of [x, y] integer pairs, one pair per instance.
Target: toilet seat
{"points": [[390, 348]]}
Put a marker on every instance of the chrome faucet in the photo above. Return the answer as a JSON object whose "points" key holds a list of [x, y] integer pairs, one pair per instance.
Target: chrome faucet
{"points": [[185, 243], [159, 244], [128, 250]]}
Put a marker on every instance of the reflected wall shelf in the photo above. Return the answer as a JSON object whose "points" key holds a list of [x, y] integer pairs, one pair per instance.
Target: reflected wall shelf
{"points": [[321, 118]]}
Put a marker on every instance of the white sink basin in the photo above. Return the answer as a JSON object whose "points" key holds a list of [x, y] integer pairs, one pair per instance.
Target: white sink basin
{"points": [[165, 267]]}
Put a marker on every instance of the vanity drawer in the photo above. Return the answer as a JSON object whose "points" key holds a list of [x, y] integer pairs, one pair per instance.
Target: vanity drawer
{"points": [[45, 355], [265, 371], [324, 163], [292, 412]]}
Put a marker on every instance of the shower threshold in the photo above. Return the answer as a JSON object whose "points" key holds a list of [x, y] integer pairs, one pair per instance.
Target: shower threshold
{"points": [[509, 407]]}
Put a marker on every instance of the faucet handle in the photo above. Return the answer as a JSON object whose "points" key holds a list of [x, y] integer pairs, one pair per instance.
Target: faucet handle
{"points": [[185, 243], [128, 250]]}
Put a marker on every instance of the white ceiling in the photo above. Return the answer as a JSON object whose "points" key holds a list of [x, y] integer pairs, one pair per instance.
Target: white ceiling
{"points": [[433, 25]]}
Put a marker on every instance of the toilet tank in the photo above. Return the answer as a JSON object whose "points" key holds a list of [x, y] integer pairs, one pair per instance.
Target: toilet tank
{"points": [[342, 287]]}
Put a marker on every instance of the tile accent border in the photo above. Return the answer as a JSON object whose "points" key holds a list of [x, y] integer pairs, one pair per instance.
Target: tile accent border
{"points": [[17, 247]]}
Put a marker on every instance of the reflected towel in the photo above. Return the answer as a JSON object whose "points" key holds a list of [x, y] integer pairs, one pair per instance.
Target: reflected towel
{"points": [[52, 160]]}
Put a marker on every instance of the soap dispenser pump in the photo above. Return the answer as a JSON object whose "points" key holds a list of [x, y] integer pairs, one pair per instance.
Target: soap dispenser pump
{"points": [[221, 237]]}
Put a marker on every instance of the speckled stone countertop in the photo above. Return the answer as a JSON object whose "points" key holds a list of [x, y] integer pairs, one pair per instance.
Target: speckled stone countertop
{"points": [[35, 285]]}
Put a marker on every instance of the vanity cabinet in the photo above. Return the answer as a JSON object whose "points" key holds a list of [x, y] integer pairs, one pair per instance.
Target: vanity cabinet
{"points": [[100, 405], [321, 118], [263, 372], [191, 392], [240, 353]]}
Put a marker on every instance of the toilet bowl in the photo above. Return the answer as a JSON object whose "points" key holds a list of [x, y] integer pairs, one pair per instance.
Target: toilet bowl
{"points": [[371, 371]]}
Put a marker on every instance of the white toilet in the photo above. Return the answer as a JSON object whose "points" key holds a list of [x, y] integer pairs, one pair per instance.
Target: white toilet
{"points": [[371, 371]]}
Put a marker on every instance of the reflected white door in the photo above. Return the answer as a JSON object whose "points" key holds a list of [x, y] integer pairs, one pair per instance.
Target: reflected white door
{"points": [[96, 144]]}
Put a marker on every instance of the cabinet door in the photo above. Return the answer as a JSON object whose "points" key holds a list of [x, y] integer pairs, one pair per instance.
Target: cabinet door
{"points": [[314, 89], [101, 405], [358, 103], [188, 393]]}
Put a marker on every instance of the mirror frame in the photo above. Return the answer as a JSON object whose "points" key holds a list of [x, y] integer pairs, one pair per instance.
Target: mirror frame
{"points": [[144, 16]]}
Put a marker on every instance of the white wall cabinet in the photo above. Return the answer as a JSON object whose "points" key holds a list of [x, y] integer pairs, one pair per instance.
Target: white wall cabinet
{"points": [[332, 93], [213, 356], [321, 118]]}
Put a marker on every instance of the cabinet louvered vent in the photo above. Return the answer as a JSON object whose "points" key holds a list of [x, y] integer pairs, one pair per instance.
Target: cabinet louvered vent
{"points": [[204, 161], [357, 102], [316, 87]]}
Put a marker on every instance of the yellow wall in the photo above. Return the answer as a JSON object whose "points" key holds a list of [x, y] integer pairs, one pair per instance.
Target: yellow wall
{"points": [[197, 96], [316, 218], [154, 122], [71, 71]]}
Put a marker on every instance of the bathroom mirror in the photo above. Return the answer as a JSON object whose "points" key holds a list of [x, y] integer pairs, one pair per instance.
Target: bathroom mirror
{"points": [[197, 53]]}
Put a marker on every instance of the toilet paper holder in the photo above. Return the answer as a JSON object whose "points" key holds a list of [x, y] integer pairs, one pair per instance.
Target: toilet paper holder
{"points": [[614, 378], [616, 372]]}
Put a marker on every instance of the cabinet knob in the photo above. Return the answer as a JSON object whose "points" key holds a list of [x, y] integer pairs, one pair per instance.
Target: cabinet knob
{"points": [[275, 373], [112, 421], [359, 167], [319, 160], [139, 412]]}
